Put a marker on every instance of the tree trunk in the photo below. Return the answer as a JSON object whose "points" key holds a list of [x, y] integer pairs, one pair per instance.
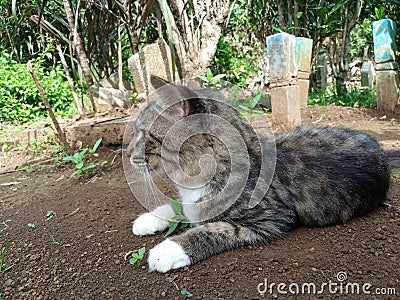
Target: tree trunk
{"points": [[339, 46], [196, 45], [79, 48]]}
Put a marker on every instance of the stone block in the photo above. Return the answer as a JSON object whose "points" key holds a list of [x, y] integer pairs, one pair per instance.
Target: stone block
{"points": [[304, 85], [322, 72], [281, 56], [285, 105], [384, 34], [153, 59], [367, 74], [387, 91], [303, 54], [107, 98]]}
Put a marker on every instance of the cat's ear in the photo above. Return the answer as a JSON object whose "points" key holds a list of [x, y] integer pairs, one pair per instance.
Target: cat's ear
{"points": [[157, 82], [173, 96]]}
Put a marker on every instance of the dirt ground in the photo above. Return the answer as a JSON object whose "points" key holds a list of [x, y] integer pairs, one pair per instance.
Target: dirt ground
{"points": [[80, 252]]}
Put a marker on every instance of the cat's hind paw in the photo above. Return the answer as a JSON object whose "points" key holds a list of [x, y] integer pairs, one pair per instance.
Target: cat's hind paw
{"points": [[148, 224], [166, 256]]}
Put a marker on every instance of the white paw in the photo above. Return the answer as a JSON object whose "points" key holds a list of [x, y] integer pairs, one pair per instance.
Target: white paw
{"points": [[148, 223], [166, 256]]}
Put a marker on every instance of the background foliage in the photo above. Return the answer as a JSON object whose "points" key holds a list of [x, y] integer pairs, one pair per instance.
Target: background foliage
{"points": [[112, 30], [20, 99]]}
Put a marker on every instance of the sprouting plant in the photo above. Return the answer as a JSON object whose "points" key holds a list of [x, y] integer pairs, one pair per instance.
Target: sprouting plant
{"points": [[183, 291], [179, 218], [186, 293], [49, 215], [5, 224], [53, 239], [137, 255], [84, 160], [3, 252], [75, 211], [212, 80], [251, 103], [31, 225]]}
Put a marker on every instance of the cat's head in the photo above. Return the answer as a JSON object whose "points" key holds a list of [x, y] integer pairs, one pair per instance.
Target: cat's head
{"points": [[163, 136]]}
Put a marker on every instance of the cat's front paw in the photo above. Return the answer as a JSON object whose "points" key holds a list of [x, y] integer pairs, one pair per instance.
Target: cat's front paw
{"points": [[148, 223], [166, 256]]}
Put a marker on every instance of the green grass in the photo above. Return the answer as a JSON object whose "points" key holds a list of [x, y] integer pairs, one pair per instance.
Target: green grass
{"points": [[354, 98]]}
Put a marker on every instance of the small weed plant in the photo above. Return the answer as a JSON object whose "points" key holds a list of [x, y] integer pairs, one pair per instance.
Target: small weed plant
{"points": [[49, 215], [138, 255], [250, 104], [211, 80], [4, 268], [179, 218], [84, 160]]}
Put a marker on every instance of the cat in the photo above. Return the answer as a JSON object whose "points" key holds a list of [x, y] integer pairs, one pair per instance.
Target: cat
{"points": [[323, 176]]}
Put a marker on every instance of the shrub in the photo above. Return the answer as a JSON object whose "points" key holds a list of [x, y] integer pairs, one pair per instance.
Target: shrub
{"points": [[19, 98], [354, 98]]}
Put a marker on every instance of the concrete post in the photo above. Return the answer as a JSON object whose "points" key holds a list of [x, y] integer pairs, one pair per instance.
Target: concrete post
{"points": [[303, 59], [153, 59], [387, 77], [367, 74], [322, 72], [285, 96]]}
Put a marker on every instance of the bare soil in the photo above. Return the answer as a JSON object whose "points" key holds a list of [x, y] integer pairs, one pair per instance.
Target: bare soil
{"points": [[80, 253]]}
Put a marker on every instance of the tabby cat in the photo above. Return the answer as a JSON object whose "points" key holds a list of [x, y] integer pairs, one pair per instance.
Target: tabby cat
{"points": [[323, 176]]}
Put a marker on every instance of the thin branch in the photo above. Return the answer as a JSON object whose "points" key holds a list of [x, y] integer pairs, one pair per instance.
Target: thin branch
{"points": [[61, 135]]}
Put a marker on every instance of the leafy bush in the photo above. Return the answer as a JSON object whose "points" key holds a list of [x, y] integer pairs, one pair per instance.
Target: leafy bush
{"points": [[239, 53], [354, 98], [19, 97]]}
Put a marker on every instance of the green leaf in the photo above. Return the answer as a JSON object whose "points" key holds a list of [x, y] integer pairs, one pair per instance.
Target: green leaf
{"points": [[172, 228], [142, 251], [133, 260], [76, 173], [186, 293], [254, 100], [176, 206], [79, 165], [209, 74], [31, 225], [97, 144]]}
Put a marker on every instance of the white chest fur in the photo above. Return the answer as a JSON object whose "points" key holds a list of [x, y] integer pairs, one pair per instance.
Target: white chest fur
{"points": [[189, 196]]}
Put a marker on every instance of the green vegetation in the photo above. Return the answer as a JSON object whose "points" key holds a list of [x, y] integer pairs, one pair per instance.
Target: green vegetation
{"points": [[84, 160], [354, 98], [138, 255], [183, 291], [3, 267], [19, 98], [211, 80], [179, 218], [49, 215]]}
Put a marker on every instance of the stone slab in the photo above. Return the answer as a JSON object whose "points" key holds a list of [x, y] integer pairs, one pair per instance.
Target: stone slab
{"points": [[281, 56], [153, 59], [304, 85], [285, 102], [303, 54], [367, 74], [387, 91], [384, 35]]}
